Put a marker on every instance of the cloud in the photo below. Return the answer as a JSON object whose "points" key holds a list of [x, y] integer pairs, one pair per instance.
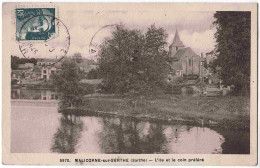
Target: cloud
{"points": [[194, 27], [198, 41]]}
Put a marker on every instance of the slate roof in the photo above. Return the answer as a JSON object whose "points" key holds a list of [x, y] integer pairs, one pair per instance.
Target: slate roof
{"points": [[177, 41], [46, 60], [184, 52]]}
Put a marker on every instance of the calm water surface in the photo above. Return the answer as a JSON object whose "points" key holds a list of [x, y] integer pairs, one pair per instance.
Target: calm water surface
{"points": [[37, 127]]}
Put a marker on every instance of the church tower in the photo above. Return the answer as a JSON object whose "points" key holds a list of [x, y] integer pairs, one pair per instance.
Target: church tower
{"points": [[176, 44]]}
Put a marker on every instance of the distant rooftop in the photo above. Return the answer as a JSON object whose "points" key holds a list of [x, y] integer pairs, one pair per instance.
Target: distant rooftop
{"points": [[46, 60], [177, 41], [184, 52]]}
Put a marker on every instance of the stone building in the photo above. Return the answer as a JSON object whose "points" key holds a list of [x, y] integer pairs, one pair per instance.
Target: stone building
{"points": [[47, 71], [184, 61]]}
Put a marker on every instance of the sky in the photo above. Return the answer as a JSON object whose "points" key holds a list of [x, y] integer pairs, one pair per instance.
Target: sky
{"points": [[194, 27]]}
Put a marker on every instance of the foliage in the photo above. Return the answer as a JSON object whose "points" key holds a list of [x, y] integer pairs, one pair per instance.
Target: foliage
{"points": [[232, 50], [171, 88], [15, 61], [94, 74], [42, 85], [14, 81], [77, 57], [134, 63], [178, 80], [67, 84]]}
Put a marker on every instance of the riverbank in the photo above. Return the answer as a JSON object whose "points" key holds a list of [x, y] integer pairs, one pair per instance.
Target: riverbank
{"points": [[221, 111]]}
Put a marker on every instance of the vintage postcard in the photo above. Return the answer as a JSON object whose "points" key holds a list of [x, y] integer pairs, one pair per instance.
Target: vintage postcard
{"points": [[129, 84]]}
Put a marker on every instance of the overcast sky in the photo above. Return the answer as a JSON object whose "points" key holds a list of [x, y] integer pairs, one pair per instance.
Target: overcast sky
{"points": [[194, 27]]}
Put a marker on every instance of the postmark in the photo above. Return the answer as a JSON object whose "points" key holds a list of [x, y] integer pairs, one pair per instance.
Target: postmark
{"points": [[43, 36], [94, 45]]}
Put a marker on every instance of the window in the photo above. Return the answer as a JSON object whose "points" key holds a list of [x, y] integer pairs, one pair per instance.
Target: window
{"points": [[190, 62], [181, 73], [44, 71]]}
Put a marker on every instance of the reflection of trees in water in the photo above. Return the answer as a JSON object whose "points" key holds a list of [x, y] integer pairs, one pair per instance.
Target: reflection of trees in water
{"points": [[155, 141], [128, 136], [67, 135], [237, 141]]}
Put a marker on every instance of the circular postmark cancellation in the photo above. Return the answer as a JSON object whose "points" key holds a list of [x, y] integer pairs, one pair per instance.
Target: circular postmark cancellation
{"points": [[44, 36], [94, 45]]}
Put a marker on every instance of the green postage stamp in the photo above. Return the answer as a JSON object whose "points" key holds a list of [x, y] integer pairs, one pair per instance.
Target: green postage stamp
{"points": [[35, 23]]}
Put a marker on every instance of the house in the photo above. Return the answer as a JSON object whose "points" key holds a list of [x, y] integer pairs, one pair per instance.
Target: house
{"points": [[183, 60], [17, 74], [45, 61], [47, 67], [49, 95], [46, 72], [87, 65], [26, 66]]}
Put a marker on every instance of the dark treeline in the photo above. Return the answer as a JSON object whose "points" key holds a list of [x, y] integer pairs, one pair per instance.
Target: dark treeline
{"points": [[15, 61], [233, 49]]}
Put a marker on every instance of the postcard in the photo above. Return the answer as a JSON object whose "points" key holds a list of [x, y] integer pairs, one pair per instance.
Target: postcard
{"points": [[129, 84]]}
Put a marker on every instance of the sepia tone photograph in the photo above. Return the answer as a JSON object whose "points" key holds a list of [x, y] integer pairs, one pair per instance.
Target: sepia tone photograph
{"points": [[116, 81]]}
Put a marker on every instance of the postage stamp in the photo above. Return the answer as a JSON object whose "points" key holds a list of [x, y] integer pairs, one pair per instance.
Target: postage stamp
{"points": [[41, 34], [35, 23]]}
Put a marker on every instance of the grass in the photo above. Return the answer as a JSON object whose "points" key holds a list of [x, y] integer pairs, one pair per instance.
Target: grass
{"points": [[226, 111]]}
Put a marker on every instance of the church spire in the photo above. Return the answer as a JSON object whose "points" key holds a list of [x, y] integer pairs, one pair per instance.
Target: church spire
{"points": [[177, 41]]}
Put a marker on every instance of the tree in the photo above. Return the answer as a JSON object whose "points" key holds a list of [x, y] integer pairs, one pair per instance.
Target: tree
{"points": [[15, 61], [154, 62], [232, 50], [93, 74], [77, 57], [67, 84], [133, 63]]}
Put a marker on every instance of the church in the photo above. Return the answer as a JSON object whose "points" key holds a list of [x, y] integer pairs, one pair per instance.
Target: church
{"points": [[183, 60]]}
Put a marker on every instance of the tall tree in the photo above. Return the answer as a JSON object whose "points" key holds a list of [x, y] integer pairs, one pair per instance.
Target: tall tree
{"points": [[14, 62], [67, 84], [133, 63], [233, 48]]}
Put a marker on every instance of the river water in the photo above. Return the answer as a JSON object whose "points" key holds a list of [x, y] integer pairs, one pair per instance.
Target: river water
{"points": [[38, 127]]}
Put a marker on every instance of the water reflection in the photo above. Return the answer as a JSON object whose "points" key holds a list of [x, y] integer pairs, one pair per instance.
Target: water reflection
{"points": [[127, 136], [91, 134], [65, 140], [34, 94], [48, 130]]}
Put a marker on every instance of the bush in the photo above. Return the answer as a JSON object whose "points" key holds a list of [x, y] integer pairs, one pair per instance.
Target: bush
{"points": [[172, 89], [14, 81], [87, 88], [93, 74]]}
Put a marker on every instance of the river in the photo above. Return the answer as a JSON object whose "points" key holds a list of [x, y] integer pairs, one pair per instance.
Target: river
{"points": [[38, 127]]}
